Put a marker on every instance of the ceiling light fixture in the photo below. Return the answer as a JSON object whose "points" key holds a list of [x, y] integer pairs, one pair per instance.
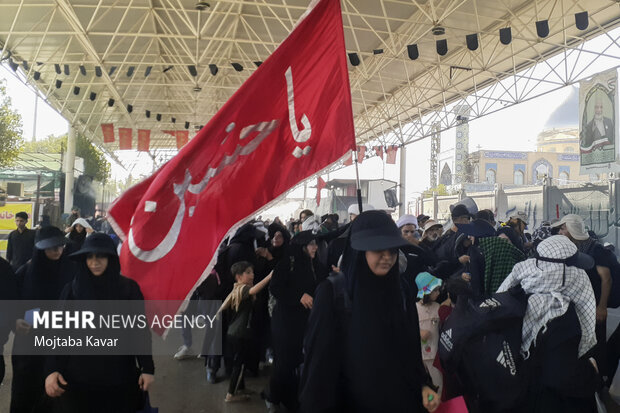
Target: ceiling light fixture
{"points": [[438, 30], [202, 5]]}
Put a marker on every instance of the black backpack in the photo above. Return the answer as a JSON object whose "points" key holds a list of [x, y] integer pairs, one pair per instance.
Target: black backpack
{"points": [[480, 343]]}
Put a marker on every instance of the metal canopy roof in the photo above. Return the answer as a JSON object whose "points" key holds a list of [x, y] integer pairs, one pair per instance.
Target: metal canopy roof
{"points": [[127, 37]]}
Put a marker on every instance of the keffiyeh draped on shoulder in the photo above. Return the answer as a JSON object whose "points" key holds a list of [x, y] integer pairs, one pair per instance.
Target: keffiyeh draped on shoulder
{"points": [[553, 286]]}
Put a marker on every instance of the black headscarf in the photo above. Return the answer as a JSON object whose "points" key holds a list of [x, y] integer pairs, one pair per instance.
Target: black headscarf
{"points": [[278, 252], [106, 286], [382, 360], [45, 279], [77, 237]]}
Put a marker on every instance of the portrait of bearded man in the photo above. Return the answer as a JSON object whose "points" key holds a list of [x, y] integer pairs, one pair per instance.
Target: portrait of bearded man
{"points": [[600, 130]]}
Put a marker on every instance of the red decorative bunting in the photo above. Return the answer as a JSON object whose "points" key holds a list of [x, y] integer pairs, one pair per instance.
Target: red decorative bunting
{"points": [[108, 132], [182, 138], [348, 161], [144, 140], [320, 184], [391, 154], [125, 136], [361, 151], [379, 151]]}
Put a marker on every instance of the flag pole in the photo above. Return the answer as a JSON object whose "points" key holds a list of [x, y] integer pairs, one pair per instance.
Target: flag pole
{"points": [[357, 182]]}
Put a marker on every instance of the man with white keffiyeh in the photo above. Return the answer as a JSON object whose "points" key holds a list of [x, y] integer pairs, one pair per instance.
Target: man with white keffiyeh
{"points": [[556, 283], [553, 285]]}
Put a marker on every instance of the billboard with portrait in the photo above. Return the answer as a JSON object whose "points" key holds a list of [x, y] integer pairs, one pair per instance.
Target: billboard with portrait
{"points": [[598, 126]]}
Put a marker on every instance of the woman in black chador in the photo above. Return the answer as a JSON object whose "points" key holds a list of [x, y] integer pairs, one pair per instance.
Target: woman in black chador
{"points": [[362, 345], [267, 259], [293, 283], [41, 278], [100, 384]]}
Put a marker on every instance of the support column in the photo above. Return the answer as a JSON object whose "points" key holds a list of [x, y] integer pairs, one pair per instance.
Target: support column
{"points": [[402, 209], [69, 166], [613, 204]]}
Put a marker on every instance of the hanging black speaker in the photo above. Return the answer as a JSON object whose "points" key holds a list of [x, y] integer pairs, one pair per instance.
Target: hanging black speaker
{"points": [[213, 69], [148, 71], [37, 75], [76, 90], [192, 70], [472, 41], [186, 125], [581, 20], [112, 70], [93, 96], [354, 59], [542, 28], [129, 108], [148, 113], [57, 68], [25, 64], [98, 71], [442, 47], [505, 35], [412, 51], [110, 102], [82, 70], [67, 72], [130, 71], [58, 83], [174, 120], [158, 117], [258, 63], [237, 67]]}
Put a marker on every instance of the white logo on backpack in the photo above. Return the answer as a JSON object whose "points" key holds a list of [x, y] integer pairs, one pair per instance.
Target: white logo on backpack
{"points": [[506, 360], [446, 339], [490, 303]]}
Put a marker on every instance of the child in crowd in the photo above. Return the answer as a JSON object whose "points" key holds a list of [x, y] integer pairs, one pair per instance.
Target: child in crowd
{"points": [[239, 303], [428, 314]]}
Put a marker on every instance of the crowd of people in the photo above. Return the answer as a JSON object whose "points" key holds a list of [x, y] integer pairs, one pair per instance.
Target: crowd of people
{"points": [[368, 316]]}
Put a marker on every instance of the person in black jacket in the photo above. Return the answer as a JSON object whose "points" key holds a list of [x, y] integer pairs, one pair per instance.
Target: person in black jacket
{"points": [[8, 291], [42, 278], [99, 384], [362, 345], [20, 242], [453, 259], [294, 280]]}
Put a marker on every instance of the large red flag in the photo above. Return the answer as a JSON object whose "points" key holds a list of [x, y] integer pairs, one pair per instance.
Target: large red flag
{"points": [[294, 112]]}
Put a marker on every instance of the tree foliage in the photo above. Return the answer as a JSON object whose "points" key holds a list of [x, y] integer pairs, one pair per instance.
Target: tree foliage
{"points": [[95, 163], [440, 189], [10, 129]]}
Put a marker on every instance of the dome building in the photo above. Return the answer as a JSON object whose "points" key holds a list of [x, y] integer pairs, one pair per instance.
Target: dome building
{"points": [[556, 155]]}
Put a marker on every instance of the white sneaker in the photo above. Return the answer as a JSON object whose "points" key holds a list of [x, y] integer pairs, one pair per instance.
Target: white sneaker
{"points": [[184, 353]]}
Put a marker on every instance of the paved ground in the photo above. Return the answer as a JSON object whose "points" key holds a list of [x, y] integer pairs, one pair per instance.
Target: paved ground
{"points": [[181, 387]]}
